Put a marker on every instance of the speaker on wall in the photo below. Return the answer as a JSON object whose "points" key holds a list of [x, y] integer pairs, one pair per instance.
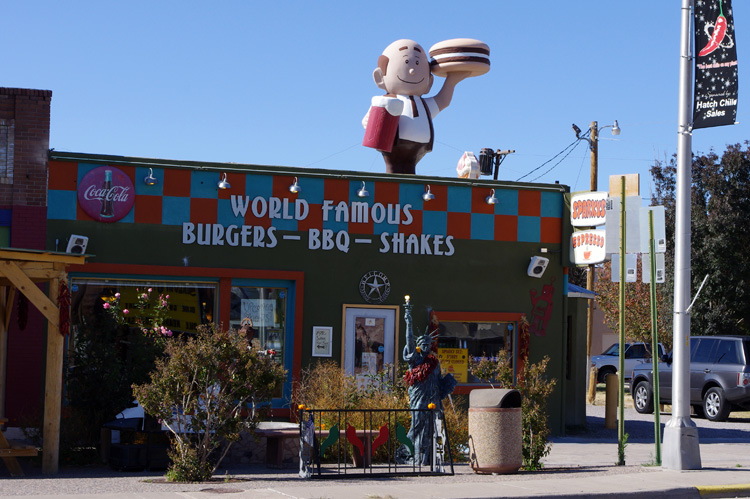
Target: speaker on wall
{"points": [[537, 266], [77, 244]]}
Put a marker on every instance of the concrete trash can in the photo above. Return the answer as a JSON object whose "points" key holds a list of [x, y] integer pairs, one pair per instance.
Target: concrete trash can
{"points": [[495, 430]]}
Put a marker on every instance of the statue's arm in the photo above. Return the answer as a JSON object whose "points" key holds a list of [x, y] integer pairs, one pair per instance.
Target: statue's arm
{"points": [[410, 346], [445, 95]]}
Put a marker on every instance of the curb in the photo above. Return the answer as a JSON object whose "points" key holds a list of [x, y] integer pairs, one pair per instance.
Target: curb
{"points": [[739, 490]]}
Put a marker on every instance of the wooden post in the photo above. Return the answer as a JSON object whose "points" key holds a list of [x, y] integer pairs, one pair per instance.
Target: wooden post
{"points": [[592, 385], [7, 295], [590, 277], [610, 401], [3, 348], [52, 390]]}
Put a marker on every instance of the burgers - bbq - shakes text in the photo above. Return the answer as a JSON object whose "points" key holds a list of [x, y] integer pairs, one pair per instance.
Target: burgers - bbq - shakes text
{"points": [[275, 208]]}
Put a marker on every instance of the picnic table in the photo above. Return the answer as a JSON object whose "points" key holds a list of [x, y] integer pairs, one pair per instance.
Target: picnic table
{"points": [[10, 450]]}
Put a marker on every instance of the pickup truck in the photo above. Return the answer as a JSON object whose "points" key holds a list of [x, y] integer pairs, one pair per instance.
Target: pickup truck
{"points": [[635, 353]]}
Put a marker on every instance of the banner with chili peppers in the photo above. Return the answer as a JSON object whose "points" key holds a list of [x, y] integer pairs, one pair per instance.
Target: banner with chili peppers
{"points": [[715, 101]]}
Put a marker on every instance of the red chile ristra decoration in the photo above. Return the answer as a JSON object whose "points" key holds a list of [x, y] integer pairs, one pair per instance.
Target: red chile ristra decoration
{"points": [[720, 29]]}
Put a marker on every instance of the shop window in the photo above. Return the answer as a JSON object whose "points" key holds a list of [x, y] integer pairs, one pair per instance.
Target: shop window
{"points": [[261, 312], [190, 303], [463, 340]]}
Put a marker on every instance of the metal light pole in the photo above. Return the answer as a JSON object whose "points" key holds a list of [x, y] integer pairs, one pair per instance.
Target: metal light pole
{"points": [[681, 450]]}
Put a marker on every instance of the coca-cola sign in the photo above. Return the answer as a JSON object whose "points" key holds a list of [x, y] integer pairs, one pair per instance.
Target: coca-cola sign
{"points": [[106, 194]]}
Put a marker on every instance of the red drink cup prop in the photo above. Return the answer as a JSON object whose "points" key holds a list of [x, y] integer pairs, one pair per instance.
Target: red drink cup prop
{"points": [[382, 123]]}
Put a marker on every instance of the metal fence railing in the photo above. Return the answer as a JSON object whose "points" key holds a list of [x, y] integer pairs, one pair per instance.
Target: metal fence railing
{"points": [[337, 443]]}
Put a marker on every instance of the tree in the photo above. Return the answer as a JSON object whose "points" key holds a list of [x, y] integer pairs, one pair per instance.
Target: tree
{"points": [[207, 390], [637, 306], [720, 210]]}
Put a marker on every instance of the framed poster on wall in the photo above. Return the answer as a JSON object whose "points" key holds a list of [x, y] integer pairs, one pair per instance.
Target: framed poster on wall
{"points": [[322, 340], [370, 339]]}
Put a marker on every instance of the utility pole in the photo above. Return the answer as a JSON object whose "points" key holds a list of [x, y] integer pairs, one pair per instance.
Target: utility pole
{"points": [[590, 277]]}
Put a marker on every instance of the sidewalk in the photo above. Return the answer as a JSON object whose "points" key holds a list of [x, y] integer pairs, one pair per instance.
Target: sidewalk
{"points": [[578, 466]]}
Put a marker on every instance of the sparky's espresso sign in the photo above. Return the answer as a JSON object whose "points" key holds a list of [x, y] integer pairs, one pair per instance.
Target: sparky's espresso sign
{"points": [[588, 209], [106, 194]]}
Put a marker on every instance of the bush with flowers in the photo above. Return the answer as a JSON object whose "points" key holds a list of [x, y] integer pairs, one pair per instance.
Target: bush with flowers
{"points": [[150, 316], [113, 347], [207, 389]]}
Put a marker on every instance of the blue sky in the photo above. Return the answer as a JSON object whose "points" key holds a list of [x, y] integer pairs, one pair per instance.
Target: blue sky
{"points": [[288, 82]]}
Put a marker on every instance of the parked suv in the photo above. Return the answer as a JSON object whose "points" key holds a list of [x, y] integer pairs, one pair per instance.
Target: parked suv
{"points": [[719, 378], [635, 353]]}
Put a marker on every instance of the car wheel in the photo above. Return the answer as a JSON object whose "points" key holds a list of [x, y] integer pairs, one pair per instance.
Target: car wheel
{"points": [[603, 372], [715, 405], [643, 399]]}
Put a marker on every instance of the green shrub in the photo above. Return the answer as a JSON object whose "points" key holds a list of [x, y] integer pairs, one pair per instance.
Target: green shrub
{"points": [[535, 387], [207, 390]]}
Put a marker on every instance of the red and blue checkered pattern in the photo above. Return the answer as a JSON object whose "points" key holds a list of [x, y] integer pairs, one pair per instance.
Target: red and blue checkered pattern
{"points": [[186, 195]]}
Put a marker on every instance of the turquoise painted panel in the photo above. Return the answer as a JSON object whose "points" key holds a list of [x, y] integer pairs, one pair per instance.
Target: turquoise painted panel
{"points": [[284, 224], [507, 202], [483, 226], [203, 184], [552, 204], [411, 194], [61, 205], [459, 199], [259, 185], [313, 190], [529, 229], [435, 222], [175, 210], [225, 214]]}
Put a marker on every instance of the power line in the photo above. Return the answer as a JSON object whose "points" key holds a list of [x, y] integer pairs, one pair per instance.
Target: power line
{"points": [[553, 166], [570, 146]]}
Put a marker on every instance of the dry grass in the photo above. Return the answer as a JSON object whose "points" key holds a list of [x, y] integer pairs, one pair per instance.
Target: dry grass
{"points": [[601, 396]]}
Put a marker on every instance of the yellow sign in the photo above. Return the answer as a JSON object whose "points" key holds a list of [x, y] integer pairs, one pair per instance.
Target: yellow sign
{"points": [[456, 362]]}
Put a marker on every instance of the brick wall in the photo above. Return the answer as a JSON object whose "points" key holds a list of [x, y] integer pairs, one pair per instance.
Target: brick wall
{"points": [[25, 194]]}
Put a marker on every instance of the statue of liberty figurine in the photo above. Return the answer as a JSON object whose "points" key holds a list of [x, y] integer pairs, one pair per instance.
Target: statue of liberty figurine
{"points": [[427, 386]]}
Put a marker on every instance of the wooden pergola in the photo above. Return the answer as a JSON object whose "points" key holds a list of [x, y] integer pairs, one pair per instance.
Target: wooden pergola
{"points": [[23, 271]]}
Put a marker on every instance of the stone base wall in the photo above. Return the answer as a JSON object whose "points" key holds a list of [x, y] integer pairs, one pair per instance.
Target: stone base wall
{"points": [[248, 450]]}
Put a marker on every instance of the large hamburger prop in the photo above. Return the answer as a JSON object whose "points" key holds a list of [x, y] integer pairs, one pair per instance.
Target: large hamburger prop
{"points": [[459, 54]]}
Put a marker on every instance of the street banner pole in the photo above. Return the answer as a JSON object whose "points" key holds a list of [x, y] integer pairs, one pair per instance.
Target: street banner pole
{"points": [[681, 450], [621, 366]]}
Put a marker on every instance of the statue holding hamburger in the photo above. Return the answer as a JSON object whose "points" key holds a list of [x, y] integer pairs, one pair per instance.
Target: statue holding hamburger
{"points": [[399, 123]]}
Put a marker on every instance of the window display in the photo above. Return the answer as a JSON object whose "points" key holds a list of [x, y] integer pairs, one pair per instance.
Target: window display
{"points": [[261, 311]]}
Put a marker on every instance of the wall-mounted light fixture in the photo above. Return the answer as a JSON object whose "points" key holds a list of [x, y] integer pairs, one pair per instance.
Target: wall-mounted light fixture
{"points": [[491, 199], [295, 188], [363, 192], [223, 184], [150, 179], [428, 195]]}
